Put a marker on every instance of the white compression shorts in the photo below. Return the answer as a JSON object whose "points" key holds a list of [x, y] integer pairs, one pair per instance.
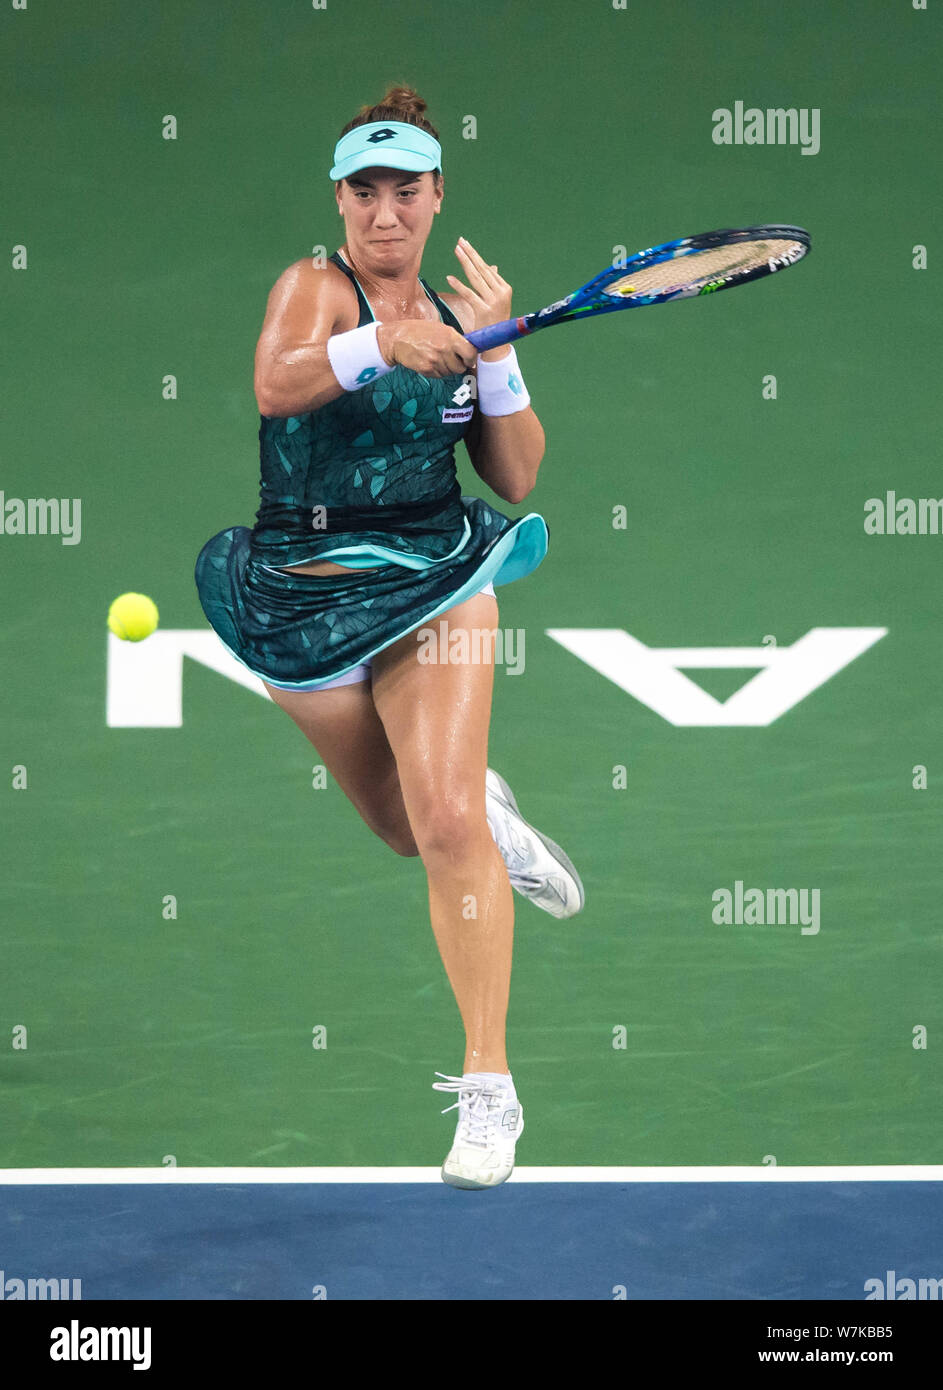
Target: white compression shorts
{"points": [[362, 672]]}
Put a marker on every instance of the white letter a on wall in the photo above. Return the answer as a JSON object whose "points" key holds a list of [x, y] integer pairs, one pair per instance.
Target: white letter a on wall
{"points": [[655, 675]]}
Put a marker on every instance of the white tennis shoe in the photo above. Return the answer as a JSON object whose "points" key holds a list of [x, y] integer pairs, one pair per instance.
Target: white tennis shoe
{"points": [[537, 867], [490, 1122]]}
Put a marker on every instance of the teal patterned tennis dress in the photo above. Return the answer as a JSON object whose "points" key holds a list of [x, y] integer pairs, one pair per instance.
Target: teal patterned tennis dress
{"points": [[367, 480]]}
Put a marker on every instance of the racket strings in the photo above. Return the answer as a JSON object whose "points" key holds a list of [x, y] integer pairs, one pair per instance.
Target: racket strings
{"points": [[699, 268]]}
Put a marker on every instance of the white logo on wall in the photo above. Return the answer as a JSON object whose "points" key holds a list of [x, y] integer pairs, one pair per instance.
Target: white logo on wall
{"points": [[655, 675], [145, 679]]}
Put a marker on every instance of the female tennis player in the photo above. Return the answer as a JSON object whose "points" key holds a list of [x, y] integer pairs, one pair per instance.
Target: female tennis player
{"points": [[365, 383]]}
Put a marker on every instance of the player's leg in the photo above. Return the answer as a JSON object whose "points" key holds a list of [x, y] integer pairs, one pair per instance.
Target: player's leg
{"points": [[351, 741], [436, 716]]}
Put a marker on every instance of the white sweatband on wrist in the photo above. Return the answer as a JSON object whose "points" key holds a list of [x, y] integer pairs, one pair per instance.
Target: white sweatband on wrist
{"points": [[501, 389], [355, 357]]}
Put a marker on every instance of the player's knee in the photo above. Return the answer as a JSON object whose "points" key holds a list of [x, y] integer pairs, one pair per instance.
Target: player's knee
{"points": [[451, 829]]}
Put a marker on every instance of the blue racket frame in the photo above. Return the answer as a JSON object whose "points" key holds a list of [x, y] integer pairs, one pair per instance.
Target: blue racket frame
{"points": [[593, 297]]}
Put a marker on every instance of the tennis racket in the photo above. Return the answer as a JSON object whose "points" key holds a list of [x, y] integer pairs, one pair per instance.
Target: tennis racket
{"points": [[682, 269]]}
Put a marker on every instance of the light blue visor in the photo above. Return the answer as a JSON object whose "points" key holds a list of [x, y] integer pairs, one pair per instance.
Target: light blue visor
{"points": [[391, 144]]}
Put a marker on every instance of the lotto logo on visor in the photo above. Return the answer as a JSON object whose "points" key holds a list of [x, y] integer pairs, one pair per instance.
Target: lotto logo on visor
{"points": [[392, 144]]}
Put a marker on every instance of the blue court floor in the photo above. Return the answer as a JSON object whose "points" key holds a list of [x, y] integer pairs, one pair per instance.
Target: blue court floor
{"points": [[540, 1240]]}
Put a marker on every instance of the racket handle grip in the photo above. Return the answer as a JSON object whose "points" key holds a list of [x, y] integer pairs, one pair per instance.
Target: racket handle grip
{"points": [[497, 333]]}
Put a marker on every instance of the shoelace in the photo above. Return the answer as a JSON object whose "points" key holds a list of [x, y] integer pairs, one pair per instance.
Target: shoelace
{"points": [[477, 1117], [513, 851], [530, 883], [514, 854], [527, 881], [514, 848]]}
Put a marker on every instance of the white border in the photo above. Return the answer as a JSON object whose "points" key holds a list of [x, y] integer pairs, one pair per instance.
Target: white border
{"points": [[916, 1172]]}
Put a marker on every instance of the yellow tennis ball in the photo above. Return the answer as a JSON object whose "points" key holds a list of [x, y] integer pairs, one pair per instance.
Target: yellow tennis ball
{"points": [[132, 617]]}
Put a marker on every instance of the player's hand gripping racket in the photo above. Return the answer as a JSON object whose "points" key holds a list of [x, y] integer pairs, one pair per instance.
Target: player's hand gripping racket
{"points": [[682, 269]]}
